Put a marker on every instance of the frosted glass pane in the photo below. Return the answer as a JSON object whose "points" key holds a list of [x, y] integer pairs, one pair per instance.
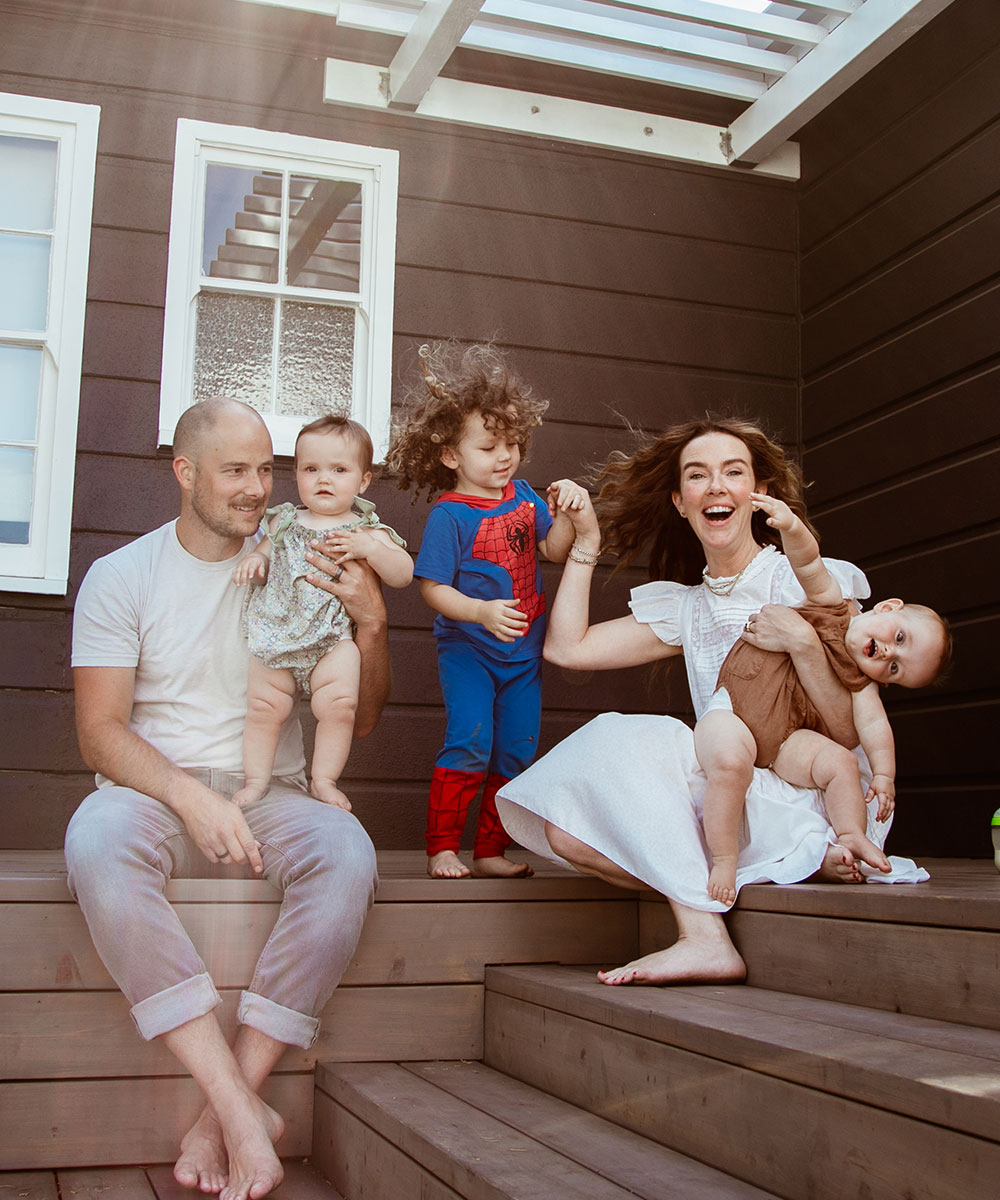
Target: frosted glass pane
{"points": [[232, 355], [242, 223], [27, 182], [16, 476], [316, 360], [20, 374], [24, 270], [324, 234]]}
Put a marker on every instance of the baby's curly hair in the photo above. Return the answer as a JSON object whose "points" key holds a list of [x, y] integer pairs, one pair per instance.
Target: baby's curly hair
{"points": [[457, 383]]}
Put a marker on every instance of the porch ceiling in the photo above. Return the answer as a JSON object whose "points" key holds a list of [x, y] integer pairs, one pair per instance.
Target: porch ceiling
{"points": [[783, 65]]}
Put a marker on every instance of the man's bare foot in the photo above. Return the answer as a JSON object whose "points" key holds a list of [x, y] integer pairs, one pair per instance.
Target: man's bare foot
{"points": [[328, 793], [254, 1169], [866, 850], [722, 878], [446, 865], [203, 1161], [498, 867], [839, 866], [249, 793], [688, 960]]}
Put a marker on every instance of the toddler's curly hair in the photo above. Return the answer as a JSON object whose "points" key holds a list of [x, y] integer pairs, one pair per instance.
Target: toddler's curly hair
{"points": [[457, 382]]}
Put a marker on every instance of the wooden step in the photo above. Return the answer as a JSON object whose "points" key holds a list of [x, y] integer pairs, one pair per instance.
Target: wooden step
{"points": [[436, 1130], [928, 949], [815, 1098]]}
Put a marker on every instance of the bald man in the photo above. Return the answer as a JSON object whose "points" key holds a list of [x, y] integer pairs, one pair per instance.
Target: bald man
{"points": [[160, 670]]}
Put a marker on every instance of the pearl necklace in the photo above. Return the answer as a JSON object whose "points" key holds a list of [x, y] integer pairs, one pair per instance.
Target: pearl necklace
{"points": [[726, 585]]}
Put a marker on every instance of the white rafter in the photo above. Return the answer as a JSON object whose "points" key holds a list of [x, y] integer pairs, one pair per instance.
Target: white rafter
{"points": [[785, 64]]}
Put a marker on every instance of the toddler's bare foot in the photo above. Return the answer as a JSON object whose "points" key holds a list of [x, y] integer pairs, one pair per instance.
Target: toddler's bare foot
{"points": [[249, 793], [446, 865], [203, 1159], [329, 793], [254, 1169], [839, 866], [498, 867], [686, 961], [722, 878], [866, 850]]}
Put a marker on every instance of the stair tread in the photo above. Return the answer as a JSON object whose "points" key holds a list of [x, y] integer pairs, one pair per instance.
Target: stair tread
{"points": [[487, 1136], [919, 1067]]}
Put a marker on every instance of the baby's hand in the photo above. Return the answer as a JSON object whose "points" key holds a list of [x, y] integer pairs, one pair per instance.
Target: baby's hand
{"points": [[503, 620], [566, 496], [352, 544], [779, 515], [883, 787], [254, 566]]}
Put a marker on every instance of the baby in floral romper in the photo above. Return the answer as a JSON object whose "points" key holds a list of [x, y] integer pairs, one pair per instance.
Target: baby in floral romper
{"points": [[300, 637]]}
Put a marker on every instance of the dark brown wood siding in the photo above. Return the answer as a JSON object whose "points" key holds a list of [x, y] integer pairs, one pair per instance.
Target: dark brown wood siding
{"points": [[900, 286], [626, 289]]}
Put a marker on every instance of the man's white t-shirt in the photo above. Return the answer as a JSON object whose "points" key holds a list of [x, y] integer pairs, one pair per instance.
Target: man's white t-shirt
{"points": [[176, 619]]}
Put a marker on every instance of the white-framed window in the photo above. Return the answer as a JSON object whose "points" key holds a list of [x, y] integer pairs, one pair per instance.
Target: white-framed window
{"points": [[280, 278], [48, 152]]}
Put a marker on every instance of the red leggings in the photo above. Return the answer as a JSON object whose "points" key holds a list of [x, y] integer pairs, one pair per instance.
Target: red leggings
{"points": [[450, 796]]}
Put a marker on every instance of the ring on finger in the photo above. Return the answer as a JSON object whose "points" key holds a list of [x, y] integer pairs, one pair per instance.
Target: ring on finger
{"points": [[748, 627], [337, 574]]}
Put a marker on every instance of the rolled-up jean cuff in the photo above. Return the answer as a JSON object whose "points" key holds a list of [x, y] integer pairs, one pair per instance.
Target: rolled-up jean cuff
{"points": [[283, 1024], [175, 1006]]}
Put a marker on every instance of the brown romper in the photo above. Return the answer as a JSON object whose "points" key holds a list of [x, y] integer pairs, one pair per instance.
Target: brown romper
{"points": [[765, 690]]}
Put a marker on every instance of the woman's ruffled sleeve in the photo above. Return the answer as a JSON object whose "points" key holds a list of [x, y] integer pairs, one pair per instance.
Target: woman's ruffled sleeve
{"points": [[658, 605], [852, 581]]}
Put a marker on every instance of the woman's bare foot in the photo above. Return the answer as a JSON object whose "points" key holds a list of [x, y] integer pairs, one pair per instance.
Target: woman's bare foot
{"points": [[839, 866], [688, 960], [328, 793], [254, 1169], [498, 867], [203, 1161], [866, 850], [722, 878], [446, 865]]}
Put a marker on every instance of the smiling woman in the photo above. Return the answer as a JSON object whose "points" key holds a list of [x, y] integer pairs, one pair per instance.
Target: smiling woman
{"points": [[622, 798]]}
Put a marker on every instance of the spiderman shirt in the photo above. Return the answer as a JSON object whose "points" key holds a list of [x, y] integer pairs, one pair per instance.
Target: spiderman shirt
{"points": [[486, 549]]}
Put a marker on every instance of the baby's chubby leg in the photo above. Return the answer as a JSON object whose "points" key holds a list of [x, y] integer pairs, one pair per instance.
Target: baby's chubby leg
{"points": [[270, 698], [808, 759], [726, 751], [334, 682]]}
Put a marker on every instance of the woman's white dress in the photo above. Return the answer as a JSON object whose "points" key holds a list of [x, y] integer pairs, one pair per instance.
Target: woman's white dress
{"points": [[630, 785]]}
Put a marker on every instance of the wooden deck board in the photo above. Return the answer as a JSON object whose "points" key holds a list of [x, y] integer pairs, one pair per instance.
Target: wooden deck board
{"points": [[105, 1183], [28, 1185]]}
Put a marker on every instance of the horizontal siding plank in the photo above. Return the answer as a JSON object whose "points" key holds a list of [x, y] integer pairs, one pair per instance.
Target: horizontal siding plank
{"points": [[940, 196], [405, 943], [923, 356], [34, 648], [949, 578], [949, 266], [67, 1035], [954, 419], [77, 1122]]}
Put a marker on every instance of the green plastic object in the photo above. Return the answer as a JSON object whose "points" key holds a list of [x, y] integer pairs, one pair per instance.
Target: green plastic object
{"points": [[995, 829]]}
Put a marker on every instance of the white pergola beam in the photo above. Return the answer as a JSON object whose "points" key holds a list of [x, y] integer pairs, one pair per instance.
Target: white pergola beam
{"points": [[439, 27], [869, 35], [739, 20], [550, 117]]}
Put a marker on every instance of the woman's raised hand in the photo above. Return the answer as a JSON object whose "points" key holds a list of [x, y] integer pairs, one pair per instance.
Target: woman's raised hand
{"points": [[570, 498], [777, 627]]}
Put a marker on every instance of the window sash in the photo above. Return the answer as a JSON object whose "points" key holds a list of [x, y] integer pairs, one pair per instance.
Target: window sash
{"points": [[200, 144]]}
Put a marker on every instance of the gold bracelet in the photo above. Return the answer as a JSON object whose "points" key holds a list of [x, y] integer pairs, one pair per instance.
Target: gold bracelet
{"points": [[586, 558]]}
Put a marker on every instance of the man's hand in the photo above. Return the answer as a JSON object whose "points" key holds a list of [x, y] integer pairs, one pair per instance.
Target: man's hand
{"points": [[354, 583], [884, 788], [254, 566], [503, 619], [219, 829]]}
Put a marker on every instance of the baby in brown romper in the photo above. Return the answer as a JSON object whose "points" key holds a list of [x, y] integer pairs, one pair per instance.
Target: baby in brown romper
{"points": [[772, 722]]}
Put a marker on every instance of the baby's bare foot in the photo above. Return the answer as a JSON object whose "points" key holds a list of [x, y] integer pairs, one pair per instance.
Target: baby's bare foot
{"points": [[839, 866], [498, 867], [203, 1159], [249, 793], [329, 793], [446, 865], [686, 961], [722, 878], [866, 850]]}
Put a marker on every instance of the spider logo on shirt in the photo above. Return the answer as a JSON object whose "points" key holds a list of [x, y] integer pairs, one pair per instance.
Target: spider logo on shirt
{"points": [[518, 537]]}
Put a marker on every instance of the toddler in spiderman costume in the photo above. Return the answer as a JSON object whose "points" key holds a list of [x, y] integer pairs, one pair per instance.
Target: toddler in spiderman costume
{"points": [[464, 434]]}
